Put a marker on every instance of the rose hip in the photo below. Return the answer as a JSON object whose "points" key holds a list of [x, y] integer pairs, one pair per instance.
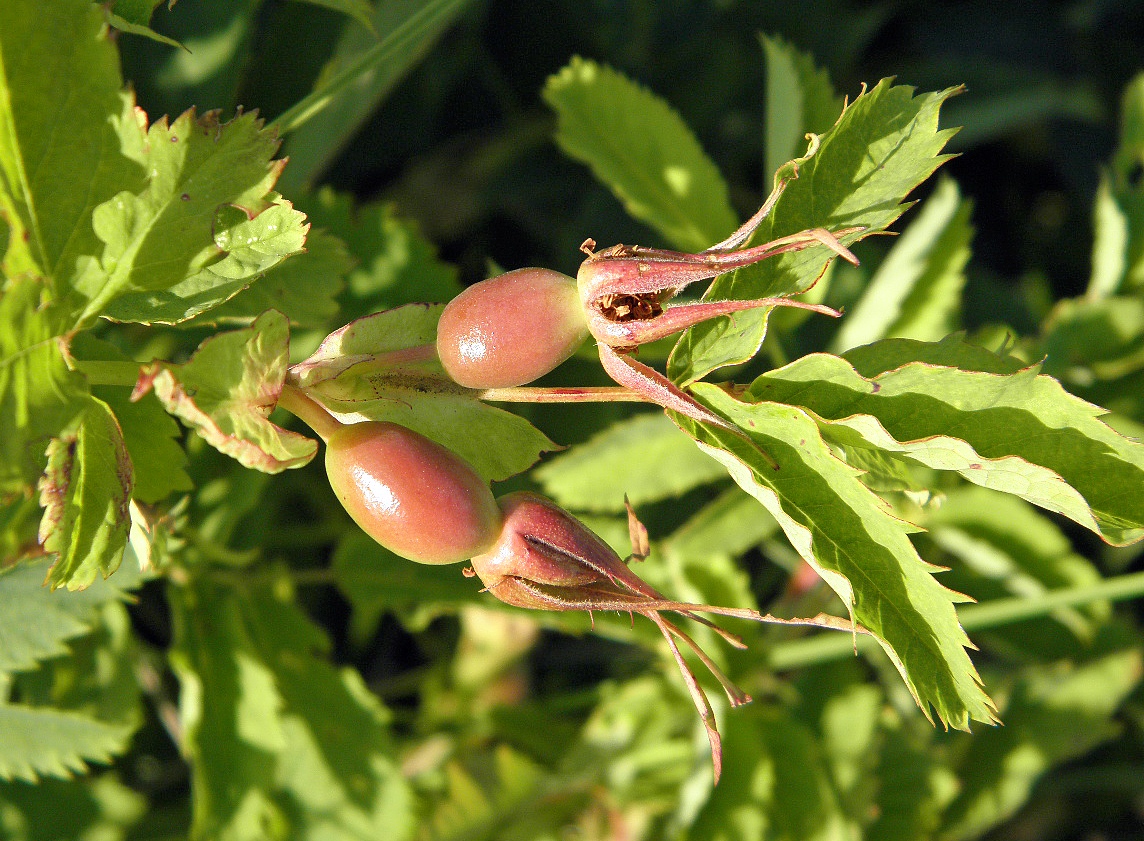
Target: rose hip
{"points": [[410, 494], [511, 329]]}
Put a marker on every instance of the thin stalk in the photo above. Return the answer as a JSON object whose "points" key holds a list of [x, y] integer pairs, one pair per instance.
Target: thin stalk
{"points": [[601, 394], [318, 419], [976, 617]]}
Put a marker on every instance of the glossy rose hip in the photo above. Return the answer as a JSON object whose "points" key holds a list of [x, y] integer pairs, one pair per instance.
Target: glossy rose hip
{"points": [[509, 330], [410, 494]]}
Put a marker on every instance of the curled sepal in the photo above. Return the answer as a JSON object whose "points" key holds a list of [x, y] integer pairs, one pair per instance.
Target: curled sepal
{"points": [[227, 390], [546, 559]]}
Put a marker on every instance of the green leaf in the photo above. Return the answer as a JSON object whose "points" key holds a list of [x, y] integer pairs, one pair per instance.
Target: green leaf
{"points": [[1019, 433], [639, 147], [205, 225], [395, 264], [473, 808], [59, 153], [1012, 550], [1055, 714], [775, 785], [84, 493], [338, 776], [916, 787], [304, 288], [1128, 195], [151, 435], [1109, 242], [658, 462], [134, 17], [916, 291], [884, 144], [39, 395], [98, 808], [854, 543], [366, 65], [359, 10], [231, 713], [38, 621], [37, 742], [227, 391], [799, 99], [384, 367], [729, 525]]}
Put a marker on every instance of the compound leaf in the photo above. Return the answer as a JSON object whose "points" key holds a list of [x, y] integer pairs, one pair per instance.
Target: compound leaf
{"points": [[854, 543]]}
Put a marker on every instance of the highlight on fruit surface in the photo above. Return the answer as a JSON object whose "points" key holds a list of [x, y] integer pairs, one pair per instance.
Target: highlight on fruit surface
{"points": [[546, 559], [511, 329], [410, 494]]}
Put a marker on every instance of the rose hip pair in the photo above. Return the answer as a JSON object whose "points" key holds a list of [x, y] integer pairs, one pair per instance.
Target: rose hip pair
{"points": [[423, 502], [509, 330]]}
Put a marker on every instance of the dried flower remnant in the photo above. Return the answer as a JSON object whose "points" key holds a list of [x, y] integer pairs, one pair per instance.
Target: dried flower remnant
{"points": [[546, 559]]}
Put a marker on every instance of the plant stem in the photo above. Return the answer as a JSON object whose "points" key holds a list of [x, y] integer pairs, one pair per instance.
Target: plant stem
{"points": [[109, 373], [825, 647], [588, 394], [318, 419]]}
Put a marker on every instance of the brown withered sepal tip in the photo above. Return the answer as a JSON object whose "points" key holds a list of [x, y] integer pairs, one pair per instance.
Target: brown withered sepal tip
{"points": [[546, 559]]}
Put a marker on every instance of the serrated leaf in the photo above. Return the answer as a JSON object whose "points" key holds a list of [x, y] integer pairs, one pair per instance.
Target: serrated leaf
{"points": [[884, 145], [916, 291], [59, 152], [639, 147], [366, 65], [799, 99], [396, 265], [151, 435], [644, 458], [1055, 714], [85, 492], [37, 621], [231, 713], [775, 785], [204, 226], [36, 741], [227, 391], [99, 807], [384, 367], [1019, 433], [304, 288], [39, 395], [854, 543]]}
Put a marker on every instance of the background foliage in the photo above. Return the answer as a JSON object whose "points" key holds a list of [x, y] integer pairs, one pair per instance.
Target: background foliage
{"points": [[304, 683]]}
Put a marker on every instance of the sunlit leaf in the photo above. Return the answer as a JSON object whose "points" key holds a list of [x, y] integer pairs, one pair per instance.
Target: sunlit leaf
{"points": [[799, 99], [41, 742]]}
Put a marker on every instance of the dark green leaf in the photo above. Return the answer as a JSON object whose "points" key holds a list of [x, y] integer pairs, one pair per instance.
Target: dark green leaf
{"points": [[642, 150], [99, 807]]}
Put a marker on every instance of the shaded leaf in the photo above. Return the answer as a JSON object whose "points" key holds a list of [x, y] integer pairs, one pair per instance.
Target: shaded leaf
{"points": [[639, 147], [84, 494], [367, 63], [40, 742], [359, 10], [881, 148], [916, 291], [644, 457], [1055, 714], [1020, 433], [227, 391], [917, 786], [38, 621], [97, 808], [859, 547], [799, 99]]}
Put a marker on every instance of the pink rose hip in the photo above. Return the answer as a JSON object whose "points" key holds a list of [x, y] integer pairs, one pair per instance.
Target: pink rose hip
{"points": [[511, 329], [413, 496]]}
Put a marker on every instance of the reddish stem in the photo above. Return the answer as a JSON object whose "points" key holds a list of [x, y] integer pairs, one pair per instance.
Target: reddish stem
{"points": [[587, 394]]}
